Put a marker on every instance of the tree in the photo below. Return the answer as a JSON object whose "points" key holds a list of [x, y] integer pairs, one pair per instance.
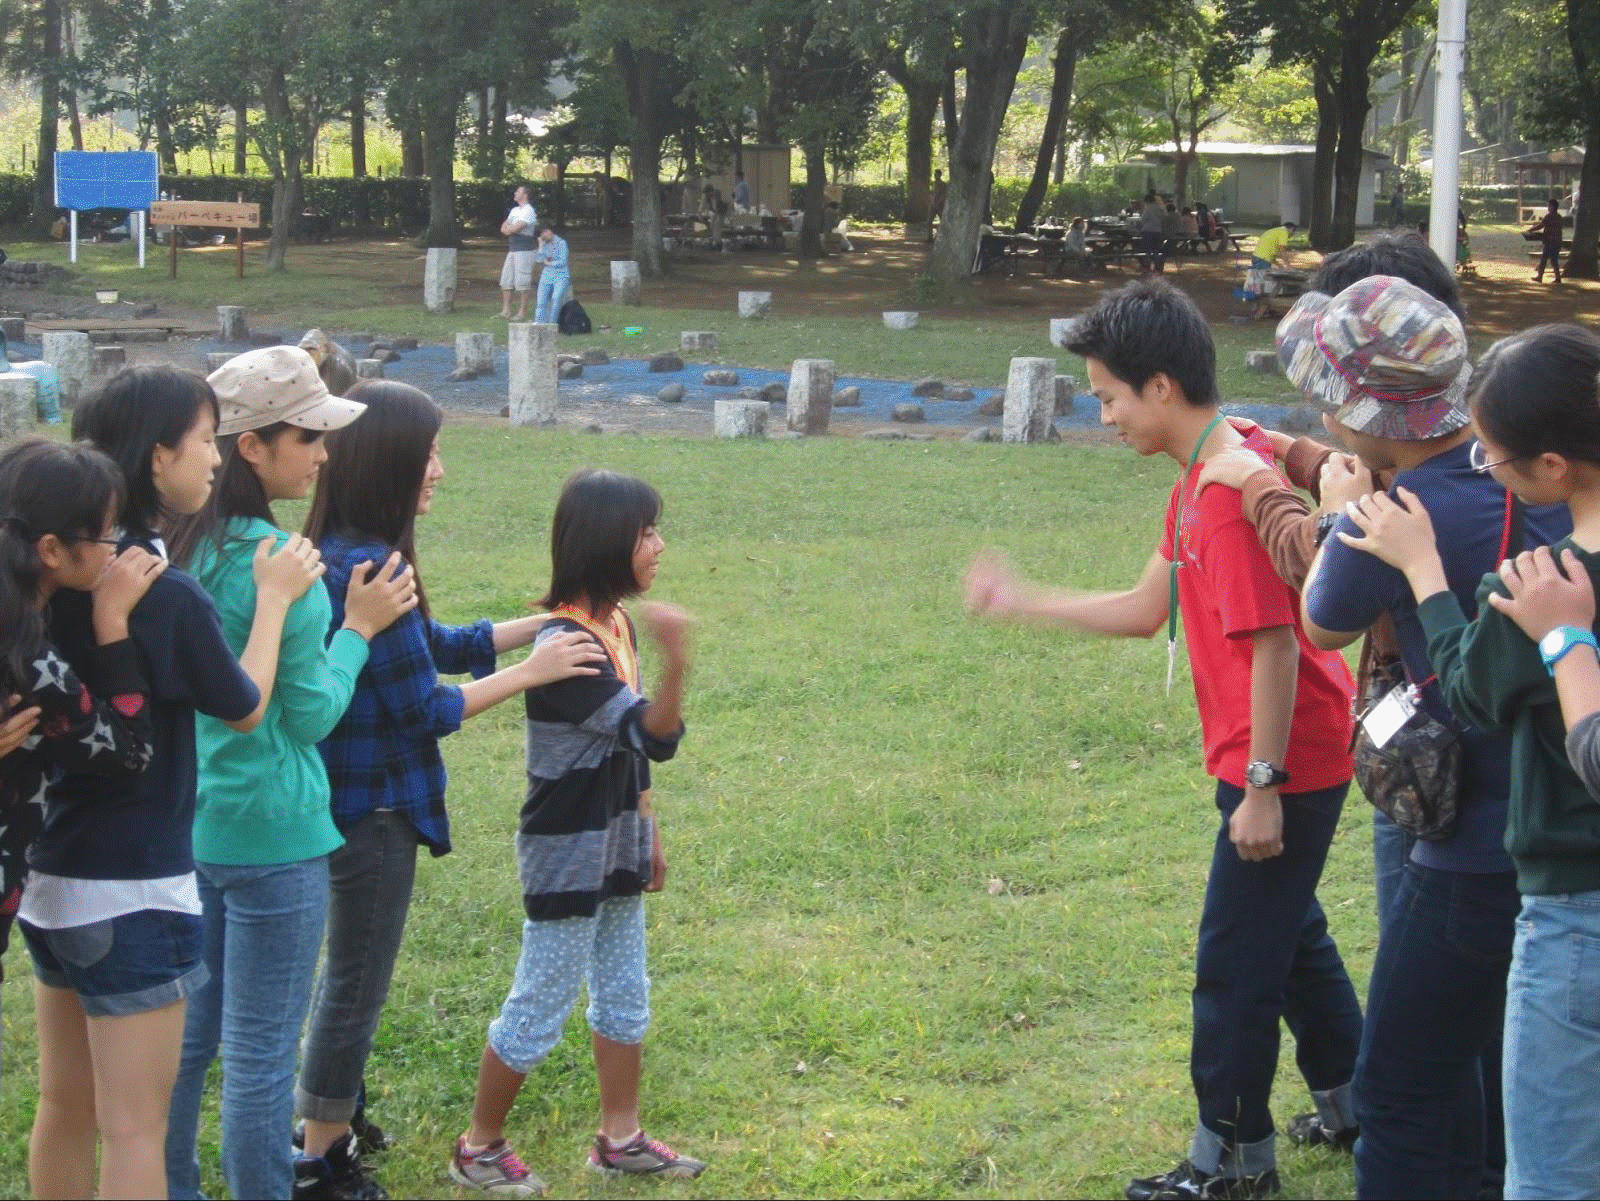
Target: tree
{"points": [[30, 48], [1565, 107], [1274, 104]]}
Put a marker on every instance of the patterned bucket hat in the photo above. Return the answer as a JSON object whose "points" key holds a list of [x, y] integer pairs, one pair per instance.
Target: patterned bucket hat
{"points": [[1384, 357]]}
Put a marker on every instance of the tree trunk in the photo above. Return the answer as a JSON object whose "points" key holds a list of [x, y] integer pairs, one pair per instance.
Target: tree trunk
{"points": [[1354, 82], [280, 148], [1583, 36], [74, 118], [1060, 172], [947, 99], [439, 142], [1065, 67], [44, 181], [499, 116], [995, 39], [1320, 220], [922, 106], [816, 151], [407, 117], [358, 128], [166, 148], [241, 131], [640, 71]]}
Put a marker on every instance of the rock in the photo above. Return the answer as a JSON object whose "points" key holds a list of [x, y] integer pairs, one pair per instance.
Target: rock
{"points": [[754, 304], [671, 394], [847, 398], [594, 356], [439, 279], [900, 320], [403, 343], [993, 406], [19, 403], [231, 325], [14, 329], [565, 357], [721, 379], [810, 395], [475, 352], [569, 371], [982, 434], [531, 373], [907, 412], [592, 428], [362, 339], [959, 393], [1062, 330], [1263, 362], [910, 437], [775, 394], [68, 352], [334, 364], [697, 339], [625, 286], [885, 435], [386, 356], [107, 360], [739, 419], [666, 361], [1066, 393], [1030, 399], [460, 375], [928, 387], [749, 393], [369, 369]]}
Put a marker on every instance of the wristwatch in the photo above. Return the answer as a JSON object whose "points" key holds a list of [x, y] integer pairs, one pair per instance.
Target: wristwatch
{"points": [[1261, 774], [1325, 524], [1562, 639]]}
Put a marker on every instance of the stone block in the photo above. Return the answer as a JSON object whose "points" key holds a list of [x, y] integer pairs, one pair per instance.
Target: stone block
{"points": [[754, 304], [1030, 400], [14, 328], [231, 325], [739, 419], [899, 320], [439, 279], [49, 380], [475, 353], [697, 339], [721, 379], [908, 413], [108, 360], [369, 368], [531, 368], [847, 398], [810, 395], [1263, 362], [19, 403], [1066, 394], [569, 371], [625, 285], [1062, 330], [665, 362], [68, 352]]}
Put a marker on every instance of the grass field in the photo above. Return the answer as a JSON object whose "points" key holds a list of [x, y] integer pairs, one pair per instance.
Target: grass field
{"points": [[934, 884]]}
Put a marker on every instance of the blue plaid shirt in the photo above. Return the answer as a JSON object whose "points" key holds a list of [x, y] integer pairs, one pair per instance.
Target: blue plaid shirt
{"points": [[384, 753]]}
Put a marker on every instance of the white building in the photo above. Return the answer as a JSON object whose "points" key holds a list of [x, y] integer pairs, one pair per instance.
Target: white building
{"points": [[1268, 184]]}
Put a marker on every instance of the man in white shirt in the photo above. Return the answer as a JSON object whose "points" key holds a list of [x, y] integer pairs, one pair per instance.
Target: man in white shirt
{"points": [[516, 277]]}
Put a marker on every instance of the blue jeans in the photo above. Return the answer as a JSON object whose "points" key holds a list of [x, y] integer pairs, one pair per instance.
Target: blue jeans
{"points": [[553, 286], [1434, 1007], [1551, 1070], [1265, 955], [1391, 851], [263, 929], [1552, 255]]}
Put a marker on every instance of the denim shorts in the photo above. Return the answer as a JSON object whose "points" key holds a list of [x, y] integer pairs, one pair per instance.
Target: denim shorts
{"points": [[124, 965]]}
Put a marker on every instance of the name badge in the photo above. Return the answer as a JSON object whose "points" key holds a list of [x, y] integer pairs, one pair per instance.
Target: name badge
{"points": [[1384, 720]]}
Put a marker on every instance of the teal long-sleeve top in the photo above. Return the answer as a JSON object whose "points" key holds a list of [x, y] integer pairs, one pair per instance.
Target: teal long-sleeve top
{"points": [[263, 796], [1493, 677]]}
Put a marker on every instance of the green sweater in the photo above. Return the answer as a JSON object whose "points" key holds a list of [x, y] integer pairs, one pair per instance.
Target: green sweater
{"points": [[263, 796], [1493, 677]]}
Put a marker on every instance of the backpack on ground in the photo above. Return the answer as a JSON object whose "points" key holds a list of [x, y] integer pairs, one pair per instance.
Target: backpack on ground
{"points": [[573, 319]]}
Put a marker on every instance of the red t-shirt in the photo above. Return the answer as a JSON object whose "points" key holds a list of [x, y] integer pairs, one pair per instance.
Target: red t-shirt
{"points": [[1227, 590]]}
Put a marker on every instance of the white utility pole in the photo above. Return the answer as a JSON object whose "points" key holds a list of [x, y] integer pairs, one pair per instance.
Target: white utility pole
{"points": [[1447, 116]]}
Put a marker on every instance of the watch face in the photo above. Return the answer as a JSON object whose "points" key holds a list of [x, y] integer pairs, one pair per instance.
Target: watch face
{"points": [[1552, 642]]}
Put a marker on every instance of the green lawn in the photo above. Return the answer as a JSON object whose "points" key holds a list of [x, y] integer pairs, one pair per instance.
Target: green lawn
{"points": [[934, 883]]}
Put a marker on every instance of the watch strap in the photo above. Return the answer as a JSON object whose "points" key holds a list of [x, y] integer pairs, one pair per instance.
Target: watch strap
{"points": [[1571, 636]]}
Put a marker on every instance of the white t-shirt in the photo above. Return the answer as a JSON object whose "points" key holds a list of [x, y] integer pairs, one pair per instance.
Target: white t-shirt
{"points": [[529, 218]]}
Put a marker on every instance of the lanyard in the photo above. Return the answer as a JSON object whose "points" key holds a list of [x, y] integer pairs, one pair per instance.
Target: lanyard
{"points": [[1177, 552]]}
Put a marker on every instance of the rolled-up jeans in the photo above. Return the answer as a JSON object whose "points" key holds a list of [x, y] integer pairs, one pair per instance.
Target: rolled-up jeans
{"points": [[370, 880]]}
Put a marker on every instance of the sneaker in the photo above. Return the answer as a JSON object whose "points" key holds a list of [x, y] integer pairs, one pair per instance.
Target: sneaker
{"points": [[1307, 1130], [495, 1171], [643, 1156], [371, 1138], [1188, 1183], [337, 1175]]}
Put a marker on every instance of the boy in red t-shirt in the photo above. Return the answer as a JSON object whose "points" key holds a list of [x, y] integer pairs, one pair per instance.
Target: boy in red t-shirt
{"points": [[1275, 719]]}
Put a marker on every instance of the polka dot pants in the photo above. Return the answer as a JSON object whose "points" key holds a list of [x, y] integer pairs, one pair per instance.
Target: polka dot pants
{"points": [[607, 950]]}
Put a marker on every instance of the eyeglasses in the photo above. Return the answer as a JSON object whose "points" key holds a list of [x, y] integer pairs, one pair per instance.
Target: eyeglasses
{"points": [[118, 535], [1479, 458]]}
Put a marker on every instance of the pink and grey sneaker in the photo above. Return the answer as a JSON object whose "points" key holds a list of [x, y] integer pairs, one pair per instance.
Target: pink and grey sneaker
{"points": [[642, 1156], [494, 1171]]}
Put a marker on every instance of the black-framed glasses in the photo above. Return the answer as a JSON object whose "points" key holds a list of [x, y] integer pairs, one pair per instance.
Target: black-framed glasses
{"points": [[118, 535], [1481, 463]]}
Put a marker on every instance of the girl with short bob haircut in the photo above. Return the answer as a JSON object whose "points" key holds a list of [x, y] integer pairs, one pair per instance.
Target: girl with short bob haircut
{"points": [[1536, 405], [386, 774], [56, 512], [588, 844], [111, 912], [262, 830]]}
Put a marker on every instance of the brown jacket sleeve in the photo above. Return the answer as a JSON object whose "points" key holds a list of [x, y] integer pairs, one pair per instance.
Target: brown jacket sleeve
{"points": [[1303, 465], [1286, 525]]}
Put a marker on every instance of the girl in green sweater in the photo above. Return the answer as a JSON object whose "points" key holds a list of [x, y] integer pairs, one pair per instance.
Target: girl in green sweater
{"points": [[262, 830]]}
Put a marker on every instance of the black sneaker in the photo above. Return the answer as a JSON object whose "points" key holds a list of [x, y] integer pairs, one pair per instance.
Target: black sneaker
{"points": [[371, 1138], [1308, 1130], [1188, 1183], [336, 1176]]}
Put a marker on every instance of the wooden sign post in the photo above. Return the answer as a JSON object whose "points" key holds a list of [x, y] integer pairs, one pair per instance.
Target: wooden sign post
{"points": [[210, 213]]}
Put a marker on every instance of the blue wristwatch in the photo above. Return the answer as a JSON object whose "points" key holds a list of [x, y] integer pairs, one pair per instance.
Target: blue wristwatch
{"points": [[1562, 639]]}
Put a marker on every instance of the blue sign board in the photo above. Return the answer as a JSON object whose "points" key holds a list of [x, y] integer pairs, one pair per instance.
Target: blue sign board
{"points": [[113, 179]]}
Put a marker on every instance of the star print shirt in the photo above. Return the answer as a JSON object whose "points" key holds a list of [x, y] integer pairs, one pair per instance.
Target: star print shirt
{"points": [[99, 725]]}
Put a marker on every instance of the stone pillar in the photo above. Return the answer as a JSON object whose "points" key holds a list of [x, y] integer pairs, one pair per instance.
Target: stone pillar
{"points": [[14, 328], [369, 368], [231, 325], [697, 339], [532, 368], [810, 395], [1030, 400], [215, 359], [625, 285], [900, 320], [19, 403], [108, 360], [1066, 394], [49, 387], [737, 418], [755, 304], [475, 352], [439, 279], [68, 352], [1061, 330]]}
